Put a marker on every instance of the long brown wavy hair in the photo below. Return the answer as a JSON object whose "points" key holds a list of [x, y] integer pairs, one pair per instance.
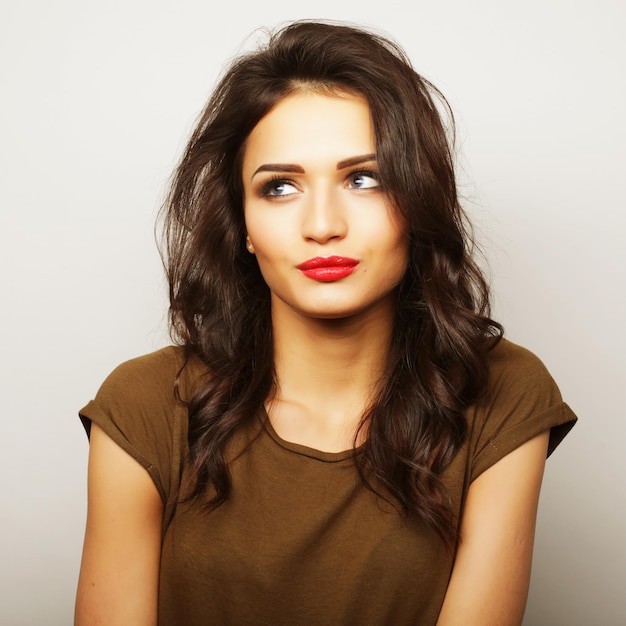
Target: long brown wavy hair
{"points": [[220, 305]]}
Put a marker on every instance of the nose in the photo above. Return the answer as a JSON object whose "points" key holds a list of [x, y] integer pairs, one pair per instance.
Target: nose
{"points": [[324, 217]]}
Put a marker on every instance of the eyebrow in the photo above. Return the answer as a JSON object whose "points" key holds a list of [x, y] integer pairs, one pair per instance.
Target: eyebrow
{"points": [[355, 161], [298, 169], [279, 167]]}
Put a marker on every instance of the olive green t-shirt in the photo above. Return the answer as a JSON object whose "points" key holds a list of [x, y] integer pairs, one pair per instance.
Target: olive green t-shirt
{"points": [[301, 541]]}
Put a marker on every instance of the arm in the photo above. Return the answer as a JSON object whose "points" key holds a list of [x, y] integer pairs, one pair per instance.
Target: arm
{"points": [[491, 574], [118, 582]]}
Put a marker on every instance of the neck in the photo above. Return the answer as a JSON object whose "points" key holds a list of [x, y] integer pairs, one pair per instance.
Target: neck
{"points": [[327, 373], [333, 353]]}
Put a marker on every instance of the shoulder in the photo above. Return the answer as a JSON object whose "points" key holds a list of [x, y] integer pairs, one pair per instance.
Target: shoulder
{"points": [[520, 401], [139, 386], [149, 369], [515, 371], [139, 407], [151, 378], [507, 354], [138, 392]]}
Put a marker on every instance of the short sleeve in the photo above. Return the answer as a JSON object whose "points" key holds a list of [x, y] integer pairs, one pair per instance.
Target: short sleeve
{"points": [[521, 401], [136, 407]]}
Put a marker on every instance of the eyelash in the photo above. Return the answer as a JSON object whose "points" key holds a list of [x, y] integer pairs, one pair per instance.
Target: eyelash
{"points": [[270, 185], [369, 174], [275, 180]]}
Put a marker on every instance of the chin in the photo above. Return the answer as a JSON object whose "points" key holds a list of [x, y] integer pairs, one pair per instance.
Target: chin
{"points": [[340, 313]]}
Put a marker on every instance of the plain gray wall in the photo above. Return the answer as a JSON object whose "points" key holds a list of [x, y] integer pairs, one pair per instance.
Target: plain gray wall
{"points": [[97, 100]]}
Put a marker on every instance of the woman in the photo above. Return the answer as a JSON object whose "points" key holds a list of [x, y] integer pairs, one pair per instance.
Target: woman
{"points": [[341, 435]]}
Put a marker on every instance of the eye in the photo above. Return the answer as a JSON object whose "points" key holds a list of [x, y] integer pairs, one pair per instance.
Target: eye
{"points": [[364, 180], [278, 188]]}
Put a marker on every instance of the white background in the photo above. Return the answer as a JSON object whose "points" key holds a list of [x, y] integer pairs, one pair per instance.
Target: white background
{"points": [[97, 99]]}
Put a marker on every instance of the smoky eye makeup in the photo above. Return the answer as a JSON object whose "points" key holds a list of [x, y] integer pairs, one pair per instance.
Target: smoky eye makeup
{"points": [[364, 178], [276, 186], [275, 181]]}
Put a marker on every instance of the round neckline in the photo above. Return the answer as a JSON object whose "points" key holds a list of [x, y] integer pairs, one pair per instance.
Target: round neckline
{"points": [[301, 449]]}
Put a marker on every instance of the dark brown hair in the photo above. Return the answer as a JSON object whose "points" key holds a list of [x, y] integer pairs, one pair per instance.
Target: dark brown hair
{"points": [[220, 309]]}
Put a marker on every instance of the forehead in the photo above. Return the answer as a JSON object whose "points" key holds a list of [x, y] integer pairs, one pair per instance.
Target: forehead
{"points": [[311, 127]]}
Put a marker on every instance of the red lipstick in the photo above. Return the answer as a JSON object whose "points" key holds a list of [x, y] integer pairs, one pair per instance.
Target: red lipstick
{"points": [[328, 268]]}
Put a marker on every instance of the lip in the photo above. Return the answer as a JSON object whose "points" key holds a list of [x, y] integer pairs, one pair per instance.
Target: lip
{"points": [[328, 268]]}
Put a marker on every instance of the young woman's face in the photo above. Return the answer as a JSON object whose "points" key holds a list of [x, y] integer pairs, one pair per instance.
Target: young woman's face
{"points": [[324, 233]]}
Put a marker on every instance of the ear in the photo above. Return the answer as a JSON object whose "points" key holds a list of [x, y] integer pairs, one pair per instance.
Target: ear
{"points": [[249, 245]]}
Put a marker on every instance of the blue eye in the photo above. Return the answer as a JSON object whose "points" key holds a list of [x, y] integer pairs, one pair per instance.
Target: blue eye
{"points": [[278, 187], [364, 180]]}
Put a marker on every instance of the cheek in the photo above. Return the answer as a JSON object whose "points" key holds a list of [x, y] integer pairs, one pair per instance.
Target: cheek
{"points": [[258, 219], [400, 240], [263, 237], [398, 253], [401, 261], [273, 234], [270, 244], [256, 229], [389, 237]]}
